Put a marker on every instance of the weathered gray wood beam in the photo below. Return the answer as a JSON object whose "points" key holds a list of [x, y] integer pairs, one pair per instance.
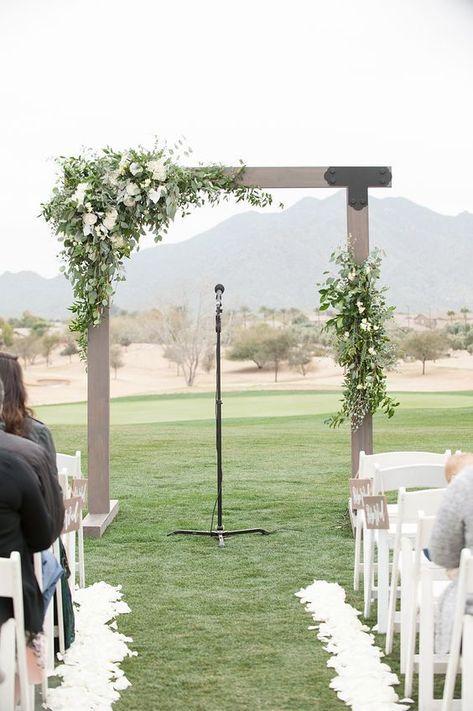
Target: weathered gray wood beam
{"points": [[101, 509]]}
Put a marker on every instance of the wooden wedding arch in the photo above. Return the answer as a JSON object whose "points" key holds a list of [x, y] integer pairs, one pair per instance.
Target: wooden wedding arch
{"points": [[356, 181]]}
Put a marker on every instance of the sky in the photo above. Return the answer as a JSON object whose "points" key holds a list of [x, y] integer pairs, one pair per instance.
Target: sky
{"points": [[306, 82]]}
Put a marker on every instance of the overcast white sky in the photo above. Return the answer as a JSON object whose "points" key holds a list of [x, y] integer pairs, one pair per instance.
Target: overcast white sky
{"points": [[306, 82]]}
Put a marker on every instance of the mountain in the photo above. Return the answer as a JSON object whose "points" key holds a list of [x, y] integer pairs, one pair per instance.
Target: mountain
{"points": [[276, 259]]}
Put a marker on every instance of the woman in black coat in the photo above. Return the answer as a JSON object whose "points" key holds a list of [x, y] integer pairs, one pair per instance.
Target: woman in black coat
{"points": [[25, 526]]}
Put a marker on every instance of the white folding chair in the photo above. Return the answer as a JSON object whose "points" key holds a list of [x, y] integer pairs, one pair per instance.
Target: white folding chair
{"points": [[70, 463], [70, 470], [462, 636], [427, 583], [72, 526], [11, 587], [366, 470], [7, 665], [381, 541], [410, 504]]}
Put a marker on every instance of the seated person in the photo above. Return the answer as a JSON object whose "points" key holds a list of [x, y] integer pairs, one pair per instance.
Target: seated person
{"points": [[25, 526], [452, 531]]}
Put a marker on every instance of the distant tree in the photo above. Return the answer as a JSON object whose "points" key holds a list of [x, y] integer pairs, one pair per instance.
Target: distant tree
{"points": [[300, 357], [425, 345], [7, 334], [186, 335], [277, 347], [48, 343], [116, 359], [245, 312], [28, 347], [248, 345], [465, 313], [70, 348], [450, 315], [208, 360]]}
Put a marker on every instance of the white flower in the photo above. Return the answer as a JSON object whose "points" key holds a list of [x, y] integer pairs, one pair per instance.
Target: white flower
{"points": [[360, 386], [155, 195], [351, 276], [367, 270], [371, 351], [360, 306], [124, 160], [88, 205], [88, 221], [135, 168], [146, 183], [113, 177], [158, 169], [132, 189], [346, 336], [79, 194], [110, 218], [129, 201]]}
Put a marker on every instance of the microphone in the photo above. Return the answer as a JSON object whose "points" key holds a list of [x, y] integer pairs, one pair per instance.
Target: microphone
{"points": [[219, 289]]}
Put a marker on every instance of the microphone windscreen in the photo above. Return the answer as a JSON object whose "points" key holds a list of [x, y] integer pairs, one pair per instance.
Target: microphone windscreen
{"points": [[219, 288]]}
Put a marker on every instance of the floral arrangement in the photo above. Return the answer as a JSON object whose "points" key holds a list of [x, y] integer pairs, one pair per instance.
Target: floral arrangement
{"points": [[363, 346], [103, 203]]}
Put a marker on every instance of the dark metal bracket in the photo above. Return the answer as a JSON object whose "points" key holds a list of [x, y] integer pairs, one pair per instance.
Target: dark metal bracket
{"points": [[358, 180]]}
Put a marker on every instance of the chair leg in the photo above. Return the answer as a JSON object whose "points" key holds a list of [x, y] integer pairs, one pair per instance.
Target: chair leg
{"points": [[467, 654], [392, 601], [367, 570], [356, 571], [426, 645], [383, 582]]}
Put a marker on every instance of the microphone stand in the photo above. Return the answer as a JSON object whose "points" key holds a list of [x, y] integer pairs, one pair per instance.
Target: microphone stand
{"points": [[220, 533]]}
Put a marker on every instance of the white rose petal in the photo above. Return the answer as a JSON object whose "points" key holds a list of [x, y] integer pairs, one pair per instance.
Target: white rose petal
{"points": [[110, 218], [88, 220], [158, 169], [79, 194], [129, 201], [155, 195], [113, 177], [135, 168], [132, 189]]}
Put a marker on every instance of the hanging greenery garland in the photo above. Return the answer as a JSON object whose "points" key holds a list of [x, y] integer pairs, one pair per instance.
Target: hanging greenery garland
{"points": [[359, 325], [104, 203]]}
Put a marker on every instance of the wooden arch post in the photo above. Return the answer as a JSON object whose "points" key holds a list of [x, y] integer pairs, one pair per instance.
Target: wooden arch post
{"points": [[356, 180]]}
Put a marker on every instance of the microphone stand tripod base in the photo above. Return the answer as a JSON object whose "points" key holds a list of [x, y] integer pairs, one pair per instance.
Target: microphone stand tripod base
{"points": [[219, 533]]}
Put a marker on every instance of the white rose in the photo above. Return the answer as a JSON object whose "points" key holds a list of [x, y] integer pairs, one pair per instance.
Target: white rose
{"points": [[158, 169], [79, 194], [88, 221], [129, 201], [113, 177], [135, 168], [155, 195], [132, 189], [123, 162], [110, 218]]}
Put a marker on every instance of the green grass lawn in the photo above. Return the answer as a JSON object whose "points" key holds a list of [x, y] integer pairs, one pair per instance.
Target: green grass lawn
{"points": [[221, 629]]}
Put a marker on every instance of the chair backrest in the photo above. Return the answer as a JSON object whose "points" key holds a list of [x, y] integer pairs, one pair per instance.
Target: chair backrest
{"points": [[11, 587], [368, 462], [411, 503], [69, 464], [411, 476]]}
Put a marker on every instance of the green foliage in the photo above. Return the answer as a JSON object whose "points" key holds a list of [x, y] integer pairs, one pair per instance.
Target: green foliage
{"points": [[49, 341], [28, 320], [359, 325], [104, 203], [248, 345], [460, 336], [6, 334], [425, 345]]}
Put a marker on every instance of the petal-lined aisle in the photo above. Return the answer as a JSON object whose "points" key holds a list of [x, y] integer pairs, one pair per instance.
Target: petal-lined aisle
{"points": [[363, 681], [90, 671]]}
